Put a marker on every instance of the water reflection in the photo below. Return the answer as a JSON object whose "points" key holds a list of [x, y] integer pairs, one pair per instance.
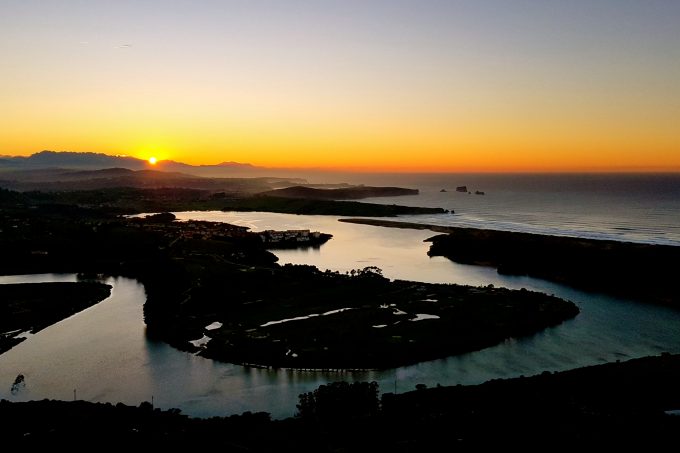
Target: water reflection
{"points": [[104, 353]]}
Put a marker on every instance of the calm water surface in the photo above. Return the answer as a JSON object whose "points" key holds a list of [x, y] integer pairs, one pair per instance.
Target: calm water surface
{"points": [[103, 352], [625, 207]]}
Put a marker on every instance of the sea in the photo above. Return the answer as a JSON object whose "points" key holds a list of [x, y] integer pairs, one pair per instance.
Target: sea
{"points": [[634, 207], [103, 354]]}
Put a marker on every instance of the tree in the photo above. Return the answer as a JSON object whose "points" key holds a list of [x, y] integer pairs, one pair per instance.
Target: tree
{"points": [[339, 400], [370, 271]]}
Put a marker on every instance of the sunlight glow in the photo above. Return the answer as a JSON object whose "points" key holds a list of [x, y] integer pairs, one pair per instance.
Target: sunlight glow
{"points": [[430, 86], [153, 160]]}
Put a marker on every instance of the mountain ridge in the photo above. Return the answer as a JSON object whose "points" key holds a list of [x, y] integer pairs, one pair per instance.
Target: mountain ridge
{"points": [[72, 160]]}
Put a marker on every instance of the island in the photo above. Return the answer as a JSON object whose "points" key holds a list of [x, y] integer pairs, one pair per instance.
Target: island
{"points": [[300, 317]]}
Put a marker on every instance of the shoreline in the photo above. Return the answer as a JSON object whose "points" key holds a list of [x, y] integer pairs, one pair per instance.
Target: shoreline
{"points": [[640, 271], [27, 308], [446, 229], [402, 225], [197, 273], [614, 404], [463, 319]]}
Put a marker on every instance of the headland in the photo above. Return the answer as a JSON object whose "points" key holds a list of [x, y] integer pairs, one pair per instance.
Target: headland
{"points": [[645, 272]]}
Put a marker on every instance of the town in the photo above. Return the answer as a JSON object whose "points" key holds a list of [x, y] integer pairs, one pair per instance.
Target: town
{"points": [[165, 224]]}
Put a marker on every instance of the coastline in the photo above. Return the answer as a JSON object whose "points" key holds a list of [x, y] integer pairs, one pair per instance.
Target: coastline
{"points": [[430, 382], [401, 224], [615, 404], [640, 271], [27, 308], [196, 273], [370, 322]]}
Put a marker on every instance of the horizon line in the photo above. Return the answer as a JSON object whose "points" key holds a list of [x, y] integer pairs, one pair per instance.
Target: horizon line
{"points": [[372, 169]]}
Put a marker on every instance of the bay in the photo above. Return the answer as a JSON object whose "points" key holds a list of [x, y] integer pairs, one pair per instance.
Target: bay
{"points": [[104, 354]]}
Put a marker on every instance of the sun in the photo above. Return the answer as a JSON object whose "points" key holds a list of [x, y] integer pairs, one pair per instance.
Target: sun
{"points": [[153, 160]]}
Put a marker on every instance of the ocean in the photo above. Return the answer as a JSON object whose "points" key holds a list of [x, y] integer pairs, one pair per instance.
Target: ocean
{"points": [[624, 207], [105, 354]]}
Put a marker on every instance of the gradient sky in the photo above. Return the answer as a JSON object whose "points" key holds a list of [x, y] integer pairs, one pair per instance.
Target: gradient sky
{"points": [[418, 85]]}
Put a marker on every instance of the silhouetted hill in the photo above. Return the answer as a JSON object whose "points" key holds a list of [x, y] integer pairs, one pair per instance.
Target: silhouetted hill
{"points": [[62, 174], [612, 407], [232, 164], [69, 160], [53, 159], [59, 179], [97, 161], [345, 193]]}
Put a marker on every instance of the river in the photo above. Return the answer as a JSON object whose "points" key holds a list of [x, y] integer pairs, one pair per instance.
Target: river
{"points": [[104, 355]]}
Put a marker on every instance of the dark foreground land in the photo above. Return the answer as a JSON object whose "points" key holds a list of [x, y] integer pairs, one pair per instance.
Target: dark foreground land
{"points": [[32, 307], [198, 273], [131, 200], [344, 193], [646, 272], [613, 406], [323, 207], [363, 320], [194, 278]]}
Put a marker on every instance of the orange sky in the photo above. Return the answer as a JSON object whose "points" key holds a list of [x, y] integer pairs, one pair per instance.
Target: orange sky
{"points": [[345, 85]]}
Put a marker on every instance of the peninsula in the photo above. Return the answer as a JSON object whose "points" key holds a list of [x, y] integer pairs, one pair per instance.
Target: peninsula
{"points": [[300, 317], [30, 307], [345, 193], [200, 274], [133, 200], [645, 272]]}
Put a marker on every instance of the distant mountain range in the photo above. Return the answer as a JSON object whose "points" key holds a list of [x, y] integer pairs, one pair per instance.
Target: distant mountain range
{"points": [[57, 179], [49, 170], [65, 170], [98, 161]]}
